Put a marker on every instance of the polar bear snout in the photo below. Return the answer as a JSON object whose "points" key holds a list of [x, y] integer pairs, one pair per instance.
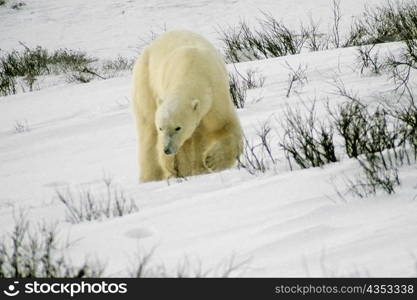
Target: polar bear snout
{"points": [[169, 148]]}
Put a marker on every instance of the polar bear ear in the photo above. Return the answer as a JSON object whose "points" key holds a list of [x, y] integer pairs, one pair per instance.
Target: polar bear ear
{"points": [[195, 103]]}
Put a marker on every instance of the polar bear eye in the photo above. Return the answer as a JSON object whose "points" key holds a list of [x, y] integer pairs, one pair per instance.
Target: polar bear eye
{"points": [[178, 129], [160, 129]]}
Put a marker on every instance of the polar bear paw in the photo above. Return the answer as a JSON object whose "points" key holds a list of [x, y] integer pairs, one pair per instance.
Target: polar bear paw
{"points": [[213, 159]]}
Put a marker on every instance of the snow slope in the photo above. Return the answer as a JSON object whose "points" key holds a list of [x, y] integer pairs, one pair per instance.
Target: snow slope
{"points": [[110, 27], [282, 223]]}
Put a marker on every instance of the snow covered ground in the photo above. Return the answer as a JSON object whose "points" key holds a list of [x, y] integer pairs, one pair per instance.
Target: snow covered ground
{"points": [[110, 27], [282, 223]]}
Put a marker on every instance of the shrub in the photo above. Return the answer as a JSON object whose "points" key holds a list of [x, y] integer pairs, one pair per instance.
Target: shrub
{"points": [[314, 40], [64, 60], [27, 62], [112, 67], [87, 206], [337, 17], [379, 173], [239, 43], [366, 59], [296, 77], [273, 39], [279, 40], [31, 63], [386, 23], [186, 268], [7, 84], [380, 139], [239, 84], [391, 22], [33, 251], [257, 157], [406, 115], [402, 66], [77, 66], [364, 132], [237, 90], [253, 79], [306, 141]]}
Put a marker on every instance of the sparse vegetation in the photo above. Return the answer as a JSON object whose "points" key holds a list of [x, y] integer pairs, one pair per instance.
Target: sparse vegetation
{"points": [[237, 90], [402, 66], [350, 124], [239, 84], [405, 114], [253, 79], [111, 68], [364, 132], [369, 59], [87, 205], [273, 39], [381, 140], [30, 63], [315, 41], [335, 31], [257, 157], [378, 174], [297, 78], [7, 84], [391, 21], [186, 268], [31, 250], [306, 141]]}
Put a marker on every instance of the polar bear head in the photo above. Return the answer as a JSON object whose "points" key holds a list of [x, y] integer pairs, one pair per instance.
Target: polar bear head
{"points": [[176, 122]]}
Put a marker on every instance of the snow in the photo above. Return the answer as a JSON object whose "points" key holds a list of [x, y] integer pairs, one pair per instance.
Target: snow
{"points": [[283, 223], [85, 25]]}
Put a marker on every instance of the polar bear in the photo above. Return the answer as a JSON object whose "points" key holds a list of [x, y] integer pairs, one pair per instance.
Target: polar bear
{"points": [[186, 121]]}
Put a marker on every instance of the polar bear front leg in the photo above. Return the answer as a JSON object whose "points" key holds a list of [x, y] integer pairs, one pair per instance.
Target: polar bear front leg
{"points": [[222, 153], [149, 166], [214, 158]]}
